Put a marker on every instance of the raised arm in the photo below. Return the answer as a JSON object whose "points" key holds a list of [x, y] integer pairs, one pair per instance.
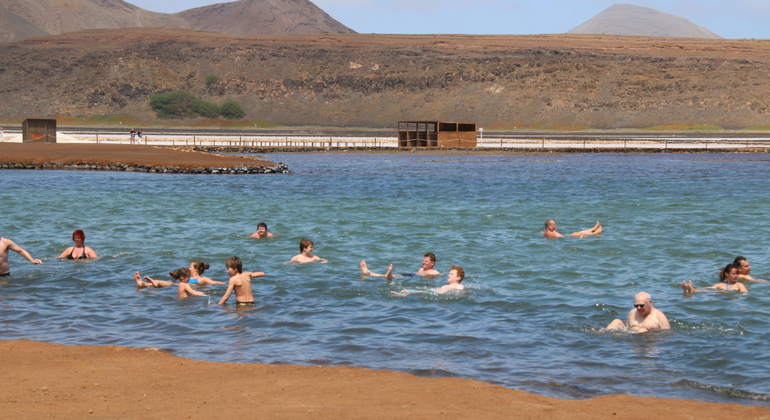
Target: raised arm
{"points": [[253, 274], [230, 287]]}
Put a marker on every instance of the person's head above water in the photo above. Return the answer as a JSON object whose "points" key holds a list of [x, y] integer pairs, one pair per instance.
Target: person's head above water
{"points": [[305, 244], [643, 303], [548, 223], [79, 235], [459, 271], [183, 274], [262, 226], [729, 273], [235, 264], [198, 266], [428, 261], [744, 268]]}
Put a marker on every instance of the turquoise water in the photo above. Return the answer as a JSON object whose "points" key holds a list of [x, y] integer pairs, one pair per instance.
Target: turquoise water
{"points": [[525, 321]]}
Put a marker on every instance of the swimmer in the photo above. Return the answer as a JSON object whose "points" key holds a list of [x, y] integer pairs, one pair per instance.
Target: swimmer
{"points": [[551, 233], [454, 280], [643, 317], [240, 282], [261, 231], [306, 253], [744, 270], [196, 270], [428, 262], [7, 244], [184, 289], [729, 273], [79, 251]]}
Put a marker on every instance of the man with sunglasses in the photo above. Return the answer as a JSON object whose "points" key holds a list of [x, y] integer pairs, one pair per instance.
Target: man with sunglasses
{"points": [[643, 317]]}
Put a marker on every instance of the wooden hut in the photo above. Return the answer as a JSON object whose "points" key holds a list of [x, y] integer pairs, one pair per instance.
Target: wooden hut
{"points": [[436, 134], [38, 131]]}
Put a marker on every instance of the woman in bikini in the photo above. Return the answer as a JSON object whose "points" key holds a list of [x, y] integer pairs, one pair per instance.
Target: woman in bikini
{"points": [[196, 269], [79, 251], [729, 273]]}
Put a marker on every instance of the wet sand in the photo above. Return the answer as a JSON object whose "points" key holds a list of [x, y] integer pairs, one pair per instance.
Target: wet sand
{"points": [[48, 380], [112, 154]]}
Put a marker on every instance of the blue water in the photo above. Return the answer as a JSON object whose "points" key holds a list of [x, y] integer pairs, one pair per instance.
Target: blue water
{"points": [[526, 321]]}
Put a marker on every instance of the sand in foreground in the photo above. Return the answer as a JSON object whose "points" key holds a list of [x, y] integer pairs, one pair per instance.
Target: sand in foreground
{"points": [[40, 380]]}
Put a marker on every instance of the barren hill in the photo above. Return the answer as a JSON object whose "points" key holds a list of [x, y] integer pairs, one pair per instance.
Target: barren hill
{"points": [[20, 19], [626, 19], [376, 80]]}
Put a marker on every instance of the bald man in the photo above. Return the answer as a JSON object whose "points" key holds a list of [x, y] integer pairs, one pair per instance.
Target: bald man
{"points": [[643, 317]]}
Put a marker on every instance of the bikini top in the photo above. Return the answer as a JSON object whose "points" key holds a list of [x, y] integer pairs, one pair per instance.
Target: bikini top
{"points": [[193, 281], [82, 256]]}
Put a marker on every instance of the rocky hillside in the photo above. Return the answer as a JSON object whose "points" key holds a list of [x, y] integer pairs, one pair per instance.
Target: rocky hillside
{"points": [[626, 19], [376, 80], [20, 19]]}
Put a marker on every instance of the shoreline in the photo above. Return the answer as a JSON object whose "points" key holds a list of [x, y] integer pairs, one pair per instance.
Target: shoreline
{"points": [[42, 379], [129, 158]]}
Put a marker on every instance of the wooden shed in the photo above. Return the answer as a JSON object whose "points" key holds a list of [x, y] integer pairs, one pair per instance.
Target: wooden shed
{"points": [[38, 131], [436, 134]]}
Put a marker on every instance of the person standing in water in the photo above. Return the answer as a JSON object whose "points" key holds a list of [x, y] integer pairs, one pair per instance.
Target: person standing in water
{"points": [[643, 317], [6, 245], [240, 282], [79, 251]]}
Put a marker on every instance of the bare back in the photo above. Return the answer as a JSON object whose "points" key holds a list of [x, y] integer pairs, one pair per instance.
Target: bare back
{"points": [[242, 286]]}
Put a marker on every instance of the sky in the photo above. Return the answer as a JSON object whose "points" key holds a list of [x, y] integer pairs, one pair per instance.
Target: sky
{"points": [[733, 19]]}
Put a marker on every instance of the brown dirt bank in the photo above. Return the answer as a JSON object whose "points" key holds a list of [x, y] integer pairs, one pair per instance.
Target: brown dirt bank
{"points": [[112, 154], [47, 380]]}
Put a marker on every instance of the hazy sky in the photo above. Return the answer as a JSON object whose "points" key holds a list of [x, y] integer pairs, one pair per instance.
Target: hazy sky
{"points": [[728, 18]]}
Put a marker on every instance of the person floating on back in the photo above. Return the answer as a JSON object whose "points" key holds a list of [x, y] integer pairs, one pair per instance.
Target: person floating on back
{"points": [[240, 282], [643, 317], [728, 282], [551, 233], [454, 280], [427, 270], [306, 253]]}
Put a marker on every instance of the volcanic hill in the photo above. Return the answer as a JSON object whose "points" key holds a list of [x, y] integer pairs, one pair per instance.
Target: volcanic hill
{"points": [[347, 80]]}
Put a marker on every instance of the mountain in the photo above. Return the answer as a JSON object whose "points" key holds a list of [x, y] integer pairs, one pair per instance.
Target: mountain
{"points": [[21, 19], [627, 19]]}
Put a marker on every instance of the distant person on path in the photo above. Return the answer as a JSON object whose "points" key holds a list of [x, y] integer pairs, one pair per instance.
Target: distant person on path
{"points": [[79, 251], [132, 133], [643, 317], [454, 280], [551, 233], [240, 282], [729, 273], [306, 253], [744, 270], [261, 231], [7, 244], [139, 134], [2, 135], [428, 262]]}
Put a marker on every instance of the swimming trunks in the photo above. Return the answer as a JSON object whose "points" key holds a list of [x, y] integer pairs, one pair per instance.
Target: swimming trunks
{"points": [[193, 281], [8, 274], [82, 256], [245, 303]]}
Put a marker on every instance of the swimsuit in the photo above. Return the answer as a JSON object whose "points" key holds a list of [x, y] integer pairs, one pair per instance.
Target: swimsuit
{"points": [[8, 274], [245, 303], [193, 281], [82, 256]]}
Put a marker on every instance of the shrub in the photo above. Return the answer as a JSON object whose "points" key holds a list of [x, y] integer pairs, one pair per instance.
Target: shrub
{"points": [[212, 79], [182, 104], [232, 110]]}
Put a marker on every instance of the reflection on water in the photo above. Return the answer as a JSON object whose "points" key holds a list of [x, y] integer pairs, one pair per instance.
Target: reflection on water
{"points": [[526, 321]]}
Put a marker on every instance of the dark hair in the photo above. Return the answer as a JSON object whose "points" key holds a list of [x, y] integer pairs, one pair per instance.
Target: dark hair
{"points": [[460, 272], [200, 266], [727, 269], [304, 243], [235, 263], [182, 273], [738, 260], [431, 256], [79, 233], [262, 224]]}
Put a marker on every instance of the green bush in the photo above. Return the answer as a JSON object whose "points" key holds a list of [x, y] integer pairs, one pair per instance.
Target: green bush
{"points": [[232, 110], [212, 79], [182, 104]]}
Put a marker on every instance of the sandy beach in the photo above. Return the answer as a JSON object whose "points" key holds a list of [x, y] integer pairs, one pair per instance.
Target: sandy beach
{"points": [[48, 380]]}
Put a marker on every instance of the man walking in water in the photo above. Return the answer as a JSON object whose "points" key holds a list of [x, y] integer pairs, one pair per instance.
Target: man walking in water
{"points": [[643, 317], [5, 245]]}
